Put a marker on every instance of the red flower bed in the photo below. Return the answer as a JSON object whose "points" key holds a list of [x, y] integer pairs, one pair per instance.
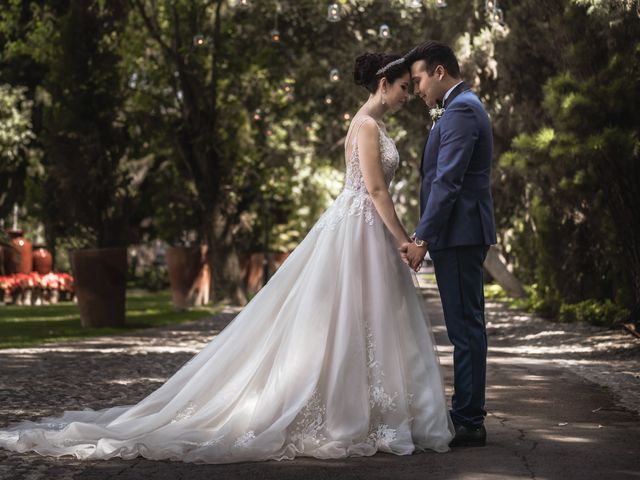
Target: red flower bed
{"points": [[21, 287]]}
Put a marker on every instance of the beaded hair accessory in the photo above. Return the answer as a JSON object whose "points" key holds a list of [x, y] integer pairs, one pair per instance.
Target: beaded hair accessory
{"points": [[389, 65]]}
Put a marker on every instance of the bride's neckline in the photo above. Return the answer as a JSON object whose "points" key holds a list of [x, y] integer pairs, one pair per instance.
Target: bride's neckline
{"points": [[381, 126], [358, 116], [380, 123]]}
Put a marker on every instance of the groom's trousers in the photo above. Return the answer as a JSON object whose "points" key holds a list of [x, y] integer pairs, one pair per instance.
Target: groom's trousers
{"points": [[459, 274]]}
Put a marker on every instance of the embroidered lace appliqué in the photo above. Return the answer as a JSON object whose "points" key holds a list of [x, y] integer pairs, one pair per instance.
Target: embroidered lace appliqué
{"points": [[311, 421], [184, 412], [354, 200], [348, 203], [382, 435], [388, 157], [378, 396], [65, 442], [244, 439], [54, 425]]}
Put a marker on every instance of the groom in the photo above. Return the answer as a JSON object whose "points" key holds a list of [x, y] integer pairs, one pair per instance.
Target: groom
{"points": [[456, 224]]}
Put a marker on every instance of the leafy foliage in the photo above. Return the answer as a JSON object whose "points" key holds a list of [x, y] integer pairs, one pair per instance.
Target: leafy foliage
{"points": [[578, 170], [146, 134], [17, 159]]}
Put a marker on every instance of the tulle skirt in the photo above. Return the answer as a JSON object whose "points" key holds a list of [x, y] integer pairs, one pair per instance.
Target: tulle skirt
{"points": [[334, 357]]}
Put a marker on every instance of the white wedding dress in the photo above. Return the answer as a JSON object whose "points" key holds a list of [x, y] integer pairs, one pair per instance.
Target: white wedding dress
{"points": [[334, 357]]}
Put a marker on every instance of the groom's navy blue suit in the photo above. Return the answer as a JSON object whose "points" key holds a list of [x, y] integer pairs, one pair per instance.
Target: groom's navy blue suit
{"points": [[457, 221]]}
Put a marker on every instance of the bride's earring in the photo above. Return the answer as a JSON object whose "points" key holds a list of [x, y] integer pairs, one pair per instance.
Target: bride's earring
{"points": [[384, 97]]}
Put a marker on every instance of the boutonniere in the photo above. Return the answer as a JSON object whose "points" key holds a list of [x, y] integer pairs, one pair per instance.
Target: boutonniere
{"points": [[436, 113]]}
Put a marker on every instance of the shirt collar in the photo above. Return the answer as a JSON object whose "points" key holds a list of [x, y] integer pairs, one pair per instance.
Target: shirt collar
{"points": [[446, 95]]}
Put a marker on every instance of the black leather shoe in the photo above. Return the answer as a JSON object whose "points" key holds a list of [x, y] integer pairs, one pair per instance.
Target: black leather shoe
{"points": [[469, 437]]}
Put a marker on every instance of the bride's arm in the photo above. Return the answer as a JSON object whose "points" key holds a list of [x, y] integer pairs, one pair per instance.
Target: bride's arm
{"points": [[371, 167]]}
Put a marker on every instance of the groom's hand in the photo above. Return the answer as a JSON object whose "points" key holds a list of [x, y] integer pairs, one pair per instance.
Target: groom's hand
{"points": [[415, 255]]}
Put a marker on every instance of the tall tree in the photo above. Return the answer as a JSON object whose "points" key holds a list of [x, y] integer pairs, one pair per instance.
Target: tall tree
{"points": [[219, 67], [577, 170]]}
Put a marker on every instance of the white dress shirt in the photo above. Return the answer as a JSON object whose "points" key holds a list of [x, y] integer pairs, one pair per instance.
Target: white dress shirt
{"points": [[446, 95]]}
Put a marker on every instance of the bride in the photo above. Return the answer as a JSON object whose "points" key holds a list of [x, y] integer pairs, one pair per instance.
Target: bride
{"points": [[334, 357]]}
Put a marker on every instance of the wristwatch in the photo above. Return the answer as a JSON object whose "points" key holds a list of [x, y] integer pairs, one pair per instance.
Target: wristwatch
{"points": [[417, 241]]}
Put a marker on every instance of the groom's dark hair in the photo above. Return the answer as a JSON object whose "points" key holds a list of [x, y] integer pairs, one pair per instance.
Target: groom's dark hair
{"points": [[434, 54]]}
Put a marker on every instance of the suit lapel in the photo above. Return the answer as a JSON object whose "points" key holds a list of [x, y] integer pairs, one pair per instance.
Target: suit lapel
{"points": [[424, 150], [463, 87]]}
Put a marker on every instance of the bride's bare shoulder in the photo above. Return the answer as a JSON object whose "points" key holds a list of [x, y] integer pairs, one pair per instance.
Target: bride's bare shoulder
{"points": [[367, 125]]}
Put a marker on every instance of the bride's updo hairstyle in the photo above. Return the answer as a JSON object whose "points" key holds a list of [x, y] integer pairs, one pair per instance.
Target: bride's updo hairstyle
{"points": [[371, 67]]}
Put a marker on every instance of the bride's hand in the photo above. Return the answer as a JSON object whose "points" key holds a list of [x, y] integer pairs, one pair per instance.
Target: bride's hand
{"points": [[403, 249]]}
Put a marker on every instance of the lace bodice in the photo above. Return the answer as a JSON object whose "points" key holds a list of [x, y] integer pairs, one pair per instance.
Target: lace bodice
{"points": [[354, 199], [389, 158]]}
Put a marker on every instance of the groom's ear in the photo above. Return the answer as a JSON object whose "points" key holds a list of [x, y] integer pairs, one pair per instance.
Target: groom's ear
{"points": [[440, 71]]}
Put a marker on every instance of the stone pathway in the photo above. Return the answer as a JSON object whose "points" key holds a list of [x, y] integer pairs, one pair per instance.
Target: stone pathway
{"points": [[547, 419]]}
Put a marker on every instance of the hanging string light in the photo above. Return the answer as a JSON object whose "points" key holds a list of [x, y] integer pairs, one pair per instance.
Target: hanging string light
{"points": [[241, 4], [333, 13], [346, 116], [494, 12], [441, 3], [414, 3], [133, 80], [328, 99], [385, 31], [257, 115], [199, 40], [288, 92], [275, 33], [334, 75]]}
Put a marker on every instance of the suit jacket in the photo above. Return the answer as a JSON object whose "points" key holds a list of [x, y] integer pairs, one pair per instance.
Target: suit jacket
{"points": [[456, 206]]}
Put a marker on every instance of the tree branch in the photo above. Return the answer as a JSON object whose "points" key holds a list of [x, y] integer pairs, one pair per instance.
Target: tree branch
{"points": [[214, 67], [153, 27]]}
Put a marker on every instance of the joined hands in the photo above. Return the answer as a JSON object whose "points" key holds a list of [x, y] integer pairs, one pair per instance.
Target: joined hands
{"points": [[412, 254]]}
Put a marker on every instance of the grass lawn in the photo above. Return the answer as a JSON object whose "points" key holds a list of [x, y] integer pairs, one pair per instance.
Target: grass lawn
{"points": [[29, 325], [429, 277], [492, 291]]}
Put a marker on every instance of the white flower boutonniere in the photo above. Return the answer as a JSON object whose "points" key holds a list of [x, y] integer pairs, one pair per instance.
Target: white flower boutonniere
{"points": [[436, 113]]}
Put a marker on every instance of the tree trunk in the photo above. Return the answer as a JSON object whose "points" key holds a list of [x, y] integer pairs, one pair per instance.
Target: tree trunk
{"points": [[224, 262], [189, 276], [498, 270], [227, 275]]}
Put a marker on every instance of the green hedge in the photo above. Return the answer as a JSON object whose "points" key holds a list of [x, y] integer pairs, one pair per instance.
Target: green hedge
{"points": [[595, 312], [547, 304]]}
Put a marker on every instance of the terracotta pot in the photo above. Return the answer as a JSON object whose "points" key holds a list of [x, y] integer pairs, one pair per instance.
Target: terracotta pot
{"points": [[277, 259], [253, 272], [42, 260], [20, 259], [253, 267], [100, 284], [188, 276]]}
